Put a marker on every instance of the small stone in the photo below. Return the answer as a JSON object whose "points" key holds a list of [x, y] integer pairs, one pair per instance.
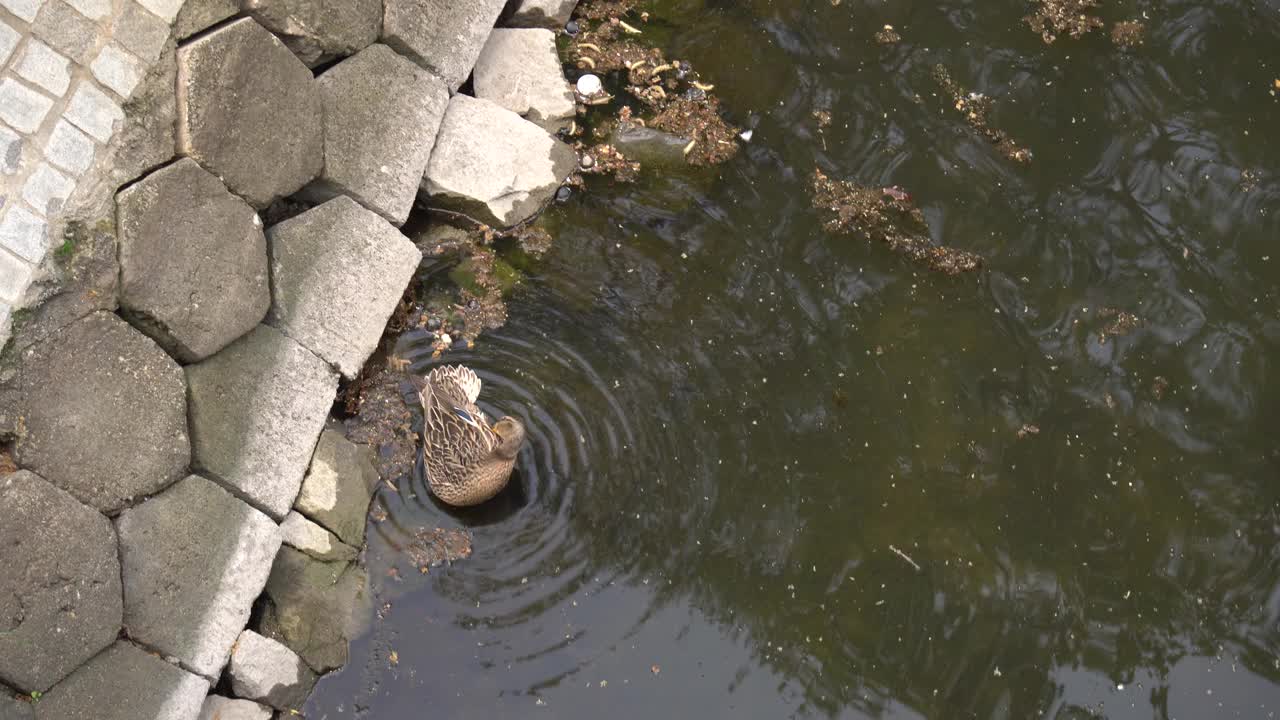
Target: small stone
{"points": [[563, 193], [193, 261], [310, 538], [318, 31], [24, 234], [588, 161], [589, 85], [61, 600], [140, 32], [41, 65], [493, 165], [193, 558], [119, 431], [125, 683], [94, 112], [316, 608], [21, 107], [118, 70], [337, 273], [339, 486], [217, 707], [257, 407], [239, 81], [10, 151], [446, 340], [433, 323], [549, 14], [443, 36], [265, 670], [381, 115], [15, 276], [8, 41], [47, 189], [519, 69], [69, 149], [66, 30], [25, 9]]}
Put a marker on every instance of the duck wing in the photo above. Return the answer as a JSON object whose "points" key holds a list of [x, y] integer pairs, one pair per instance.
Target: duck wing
{"points": [[456, 435]]}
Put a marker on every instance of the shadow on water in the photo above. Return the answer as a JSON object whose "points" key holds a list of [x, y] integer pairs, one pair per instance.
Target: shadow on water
{"points": [[777, 473]]}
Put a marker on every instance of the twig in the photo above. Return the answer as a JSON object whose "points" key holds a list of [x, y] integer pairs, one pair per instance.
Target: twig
{"points": [[905, 556]]}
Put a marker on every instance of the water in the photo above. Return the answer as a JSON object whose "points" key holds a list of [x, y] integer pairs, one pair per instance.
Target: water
{"points": [[736, 418]]}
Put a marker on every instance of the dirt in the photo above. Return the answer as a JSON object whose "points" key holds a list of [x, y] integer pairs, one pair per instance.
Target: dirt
{"points": [[976, 109], [711, 140], [437, 546], [605, 159], [887, 35], [1128, 34], [1055, 17], [382, 421], [1119, 322], [887, 216]]}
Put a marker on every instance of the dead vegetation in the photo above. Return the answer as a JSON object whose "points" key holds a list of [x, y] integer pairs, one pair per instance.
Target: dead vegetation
{"points": [[976, 109], [1056, 17], [1128, 34]]}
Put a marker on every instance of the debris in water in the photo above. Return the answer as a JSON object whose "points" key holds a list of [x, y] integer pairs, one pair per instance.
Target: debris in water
{"points": [[699, 120], [1128, 34], [853, 209], [437, 546], [393, 658], [589, 85], [655, 669], [1249, 177], [1159, 386], [1028, 430], [887, 35], [976, 109], [1055, 17], [1121, 323], [906, 557]]}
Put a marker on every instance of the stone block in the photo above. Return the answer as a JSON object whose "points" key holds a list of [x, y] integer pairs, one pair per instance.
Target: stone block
{"points": [[10, 151], [551, 14], [8, 41], [197, 15], [119, 431], [13, 708], [92, 9], [15, 276], [250, 112], [140, 32], [443, 36], [25, 9], [60, 600], [94, 112], [66, 30], [118, 70], [519, 69], [193, 261], [310, 538], [41, 65], [381, 113], [21, 107], [338, 487], [316, 608], [494, 165], [24, 234], [166, 10], [69, 149], [145, 139], [47, 189], [193, 559], [217, 707], [125, 683], [318, 31], [257, 408], [337, 273], [265, 670]]}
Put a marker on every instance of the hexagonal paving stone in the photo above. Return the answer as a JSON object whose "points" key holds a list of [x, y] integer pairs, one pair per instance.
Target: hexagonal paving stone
{"points": [[381, 113], [125, 683], [551, 14], [320, 30], [249, 111], [520, 70], [443, 36], [60, 592], [105, 412], [492, 164], [257, 408], [194, 558], [337, 272], [193, 261]]}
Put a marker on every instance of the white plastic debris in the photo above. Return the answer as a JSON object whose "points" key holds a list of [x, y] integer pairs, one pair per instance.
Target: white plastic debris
{"points": [[589, 85], [746, 135]]}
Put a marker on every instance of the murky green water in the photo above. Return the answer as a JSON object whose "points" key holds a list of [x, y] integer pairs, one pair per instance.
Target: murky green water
{"points": [[736, 418]]}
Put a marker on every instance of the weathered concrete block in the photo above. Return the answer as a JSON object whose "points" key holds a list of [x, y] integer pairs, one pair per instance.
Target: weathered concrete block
{"points": [[24, 234], [60, 599], [193, 261], [257, 408], [443, 36], [316, 608], [69, 149], [194, 558], [217, 707], [249, 111], [20, 106], [10, 151], [318, 31], [265, 670], [15, 276], [541, 13], [118, 70], [339, 486], [519, 69], [47, 189], [142, 33], [381, 113], [43, 66], [197, 15], [125, 683], [492, 164], [119, 430], [310, 538], [94, 112], [337, 272], [69, 32], [11, 708], [8, 41]]}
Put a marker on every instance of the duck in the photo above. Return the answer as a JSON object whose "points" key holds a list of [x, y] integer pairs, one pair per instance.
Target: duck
{"points": [[468, 460]]}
